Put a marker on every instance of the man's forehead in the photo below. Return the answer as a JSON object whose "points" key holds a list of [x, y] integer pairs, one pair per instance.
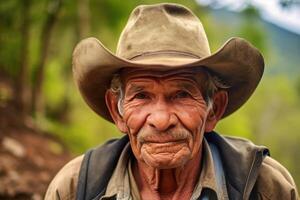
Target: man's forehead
{"points": [[133, 73]]}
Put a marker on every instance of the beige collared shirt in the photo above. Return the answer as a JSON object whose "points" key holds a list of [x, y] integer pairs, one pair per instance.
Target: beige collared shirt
{"points": [[122, 184]]}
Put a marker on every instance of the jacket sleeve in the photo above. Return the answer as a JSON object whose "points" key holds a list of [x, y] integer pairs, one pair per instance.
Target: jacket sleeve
{"points": [[275, 182], [64, 184]]}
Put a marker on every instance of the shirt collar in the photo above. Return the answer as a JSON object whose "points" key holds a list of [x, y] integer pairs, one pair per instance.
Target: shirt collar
{"points": [[207, 177]]}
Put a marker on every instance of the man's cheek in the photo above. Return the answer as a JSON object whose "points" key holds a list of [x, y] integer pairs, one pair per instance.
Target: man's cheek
{"points": [[135, 120], [191, 120]]}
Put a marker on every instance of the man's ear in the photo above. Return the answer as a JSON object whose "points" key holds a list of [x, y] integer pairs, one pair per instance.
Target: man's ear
{"points": [[111, 100], [220, 101]]}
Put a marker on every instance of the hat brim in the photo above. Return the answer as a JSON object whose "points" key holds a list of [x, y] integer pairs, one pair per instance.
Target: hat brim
{"points": [[237, 63]]}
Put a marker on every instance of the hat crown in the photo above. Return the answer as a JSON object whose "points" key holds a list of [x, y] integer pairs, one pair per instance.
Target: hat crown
{"points": [[162, 28]]}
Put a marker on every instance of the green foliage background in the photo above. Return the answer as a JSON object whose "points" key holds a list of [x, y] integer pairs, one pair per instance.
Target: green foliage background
{"points": [[271, 117]]}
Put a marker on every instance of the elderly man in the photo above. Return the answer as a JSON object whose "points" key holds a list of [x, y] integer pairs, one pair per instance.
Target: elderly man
{"points": [[166, 92]]}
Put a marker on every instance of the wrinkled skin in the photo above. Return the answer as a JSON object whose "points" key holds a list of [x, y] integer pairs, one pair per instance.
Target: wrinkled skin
{"points": [[165, 117]]}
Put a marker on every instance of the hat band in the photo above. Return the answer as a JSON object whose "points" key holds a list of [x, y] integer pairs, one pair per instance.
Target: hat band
{"points": [[165, 53]]}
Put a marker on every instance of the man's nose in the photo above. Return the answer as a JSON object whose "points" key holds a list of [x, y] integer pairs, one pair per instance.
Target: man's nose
{"points": [[162, 119]]}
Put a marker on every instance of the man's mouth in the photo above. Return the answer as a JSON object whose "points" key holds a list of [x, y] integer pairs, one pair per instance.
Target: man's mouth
{"points": [[159, 147], [165, 142]]}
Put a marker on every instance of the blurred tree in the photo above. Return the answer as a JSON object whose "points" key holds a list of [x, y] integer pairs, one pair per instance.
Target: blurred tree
{"points": [[83, 18], [52, 14], [10, 16], [252, 30], [21, 91]]}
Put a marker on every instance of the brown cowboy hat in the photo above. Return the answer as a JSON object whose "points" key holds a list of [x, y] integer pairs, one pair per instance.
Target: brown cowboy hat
{"points": [[165, 36]]}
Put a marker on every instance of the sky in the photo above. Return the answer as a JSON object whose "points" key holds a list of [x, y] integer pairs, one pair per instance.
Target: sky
{"points": [[270, 10]]}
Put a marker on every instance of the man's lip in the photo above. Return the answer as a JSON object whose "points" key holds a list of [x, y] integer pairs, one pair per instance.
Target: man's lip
{"points": [[164, 141]]}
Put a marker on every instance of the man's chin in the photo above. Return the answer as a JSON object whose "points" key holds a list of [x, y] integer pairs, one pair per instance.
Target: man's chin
{"points": [[166, 160]]}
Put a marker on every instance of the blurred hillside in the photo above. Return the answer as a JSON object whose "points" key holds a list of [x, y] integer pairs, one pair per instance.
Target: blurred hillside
{"points": [[37, 38], [284, 46]]}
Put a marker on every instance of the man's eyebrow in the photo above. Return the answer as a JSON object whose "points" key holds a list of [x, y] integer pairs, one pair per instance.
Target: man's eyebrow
{"points": [[188, 86], [134, 88]]}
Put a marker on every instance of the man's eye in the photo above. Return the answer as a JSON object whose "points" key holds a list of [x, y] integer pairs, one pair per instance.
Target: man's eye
{"points": [[182, 94], [140, 96]]}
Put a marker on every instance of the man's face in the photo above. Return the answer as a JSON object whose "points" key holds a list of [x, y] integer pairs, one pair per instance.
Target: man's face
{"points": [[165, 116]]}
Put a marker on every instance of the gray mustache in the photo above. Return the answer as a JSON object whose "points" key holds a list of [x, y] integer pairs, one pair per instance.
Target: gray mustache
{"points": [[169, 135]]}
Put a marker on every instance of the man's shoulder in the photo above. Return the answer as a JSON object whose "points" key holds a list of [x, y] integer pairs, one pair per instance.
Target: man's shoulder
{"points": [[244, 146], [64, 184], [274, 181], [241, 142]]}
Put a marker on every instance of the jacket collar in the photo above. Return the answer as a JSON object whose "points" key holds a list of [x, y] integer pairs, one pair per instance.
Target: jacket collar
{"points": [[241, 161]]}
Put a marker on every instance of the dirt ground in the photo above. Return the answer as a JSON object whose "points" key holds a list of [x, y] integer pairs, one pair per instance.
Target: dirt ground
{"points": [[29, 158]]}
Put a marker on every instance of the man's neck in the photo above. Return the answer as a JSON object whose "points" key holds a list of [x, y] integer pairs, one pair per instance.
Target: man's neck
{"points": [[160, 184]]}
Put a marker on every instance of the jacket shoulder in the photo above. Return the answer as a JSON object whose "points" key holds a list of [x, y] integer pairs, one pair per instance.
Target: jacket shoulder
{"points": [[275, 182], [64, 184]]}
